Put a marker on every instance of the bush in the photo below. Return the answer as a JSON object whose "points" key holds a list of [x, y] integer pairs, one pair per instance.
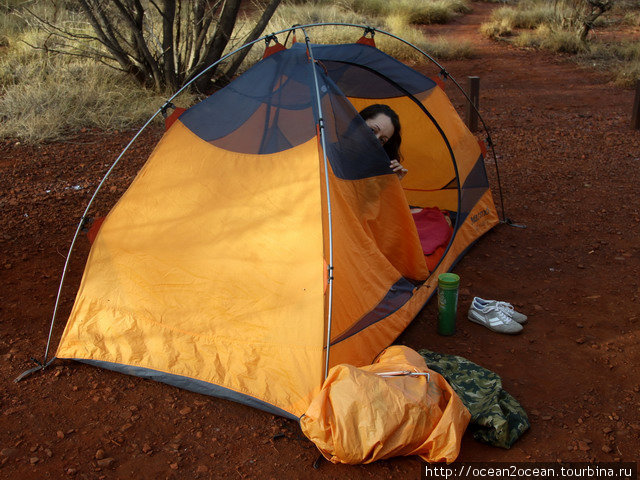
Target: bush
{"points": [[553, 39], [36, 106], [414, 11], [621, 60], [527, 15], [41, 108], [628, 74]]}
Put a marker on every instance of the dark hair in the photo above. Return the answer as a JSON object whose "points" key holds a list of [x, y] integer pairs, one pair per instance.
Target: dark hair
{"points": [[391, 146]]}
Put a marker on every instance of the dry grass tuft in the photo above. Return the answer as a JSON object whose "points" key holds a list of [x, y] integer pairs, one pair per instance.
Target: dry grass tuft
{"points": [[45, 97]]}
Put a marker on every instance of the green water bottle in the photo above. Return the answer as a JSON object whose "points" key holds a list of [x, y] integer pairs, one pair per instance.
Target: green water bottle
{"points": [[447, 302]]}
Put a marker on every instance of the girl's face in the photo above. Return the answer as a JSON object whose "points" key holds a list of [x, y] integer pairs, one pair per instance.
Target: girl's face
{"points": [[381, 127]]}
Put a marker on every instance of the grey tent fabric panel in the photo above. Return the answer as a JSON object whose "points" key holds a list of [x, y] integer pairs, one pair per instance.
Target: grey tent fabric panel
{"points": [[191, 384]]}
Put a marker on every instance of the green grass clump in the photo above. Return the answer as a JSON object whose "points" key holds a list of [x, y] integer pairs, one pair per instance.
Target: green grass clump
{"points": [[529, 16], [628, 74], [620, 59], [632, 19], [552, 39], [414, 11]]}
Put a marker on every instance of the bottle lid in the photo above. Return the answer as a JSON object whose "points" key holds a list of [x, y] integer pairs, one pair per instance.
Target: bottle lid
{"points": [[448, 279]]}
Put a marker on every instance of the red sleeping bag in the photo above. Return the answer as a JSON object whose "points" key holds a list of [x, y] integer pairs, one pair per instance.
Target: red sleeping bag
{"points": [[434, 232]]}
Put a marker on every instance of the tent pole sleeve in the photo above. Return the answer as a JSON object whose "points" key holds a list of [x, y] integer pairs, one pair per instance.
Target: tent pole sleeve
{"points": [[323, 143]]}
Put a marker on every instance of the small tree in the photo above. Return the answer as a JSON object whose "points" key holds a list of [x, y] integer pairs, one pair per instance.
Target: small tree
{"points": [[161, 43], [582, 14], [593, 10]]}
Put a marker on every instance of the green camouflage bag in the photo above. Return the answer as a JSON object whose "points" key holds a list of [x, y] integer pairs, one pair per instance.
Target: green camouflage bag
{"points": [[496, 417]]}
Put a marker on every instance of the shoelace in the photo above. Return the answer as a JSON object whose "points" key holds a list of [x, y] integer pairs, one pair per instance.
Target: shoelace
{"points": [[507, 307], [504, 318]]}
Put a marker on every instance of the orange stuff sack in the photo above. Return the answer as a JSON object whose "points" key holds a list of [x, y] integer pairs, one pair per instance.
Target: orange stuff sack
{"points": [[360, 416]]}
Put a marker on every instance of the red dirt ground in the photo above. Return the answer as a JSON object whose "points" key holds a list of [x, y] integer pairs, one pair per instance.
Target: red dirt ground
{"points": [[569, 167]]}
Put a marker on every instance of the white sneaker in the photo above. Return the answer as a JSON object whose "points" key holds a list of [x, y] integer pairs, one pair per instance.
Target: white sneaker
{"points": [[494, 318], [504, 306]]}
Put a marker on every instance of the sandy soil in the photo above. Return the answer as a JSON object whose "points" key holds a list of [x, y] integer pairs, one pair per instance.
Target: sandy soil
{"points": [[569, 169]]}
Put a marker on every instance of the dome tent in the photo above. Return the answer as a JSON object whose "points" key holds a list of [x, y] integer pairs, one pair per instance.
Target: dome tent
{"points": [[266, 239]]}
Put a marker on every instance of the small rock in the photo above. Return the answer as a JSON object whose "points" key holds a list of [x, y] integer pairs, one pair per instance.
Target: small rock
{"points": [[185, 411], [48, 452], [34, 460], [546, 417], [583, 446], [9, 452], [607, 430], [606, 449], [202, 469], [173, 466], [146, 448], [99, 454], [71, 471], [60, 434], [580, 340], [538, 308], [106, 462]]}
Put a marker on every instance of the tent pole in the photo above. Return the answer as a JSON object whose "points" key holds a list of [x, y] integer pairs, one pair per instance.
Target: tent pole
{"points": [[328, 193]]}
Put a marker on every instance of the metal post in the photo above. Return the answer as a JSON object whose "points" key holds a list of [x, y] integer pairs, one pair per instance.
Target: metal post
{"points": [[473, 103], [635, 116]]}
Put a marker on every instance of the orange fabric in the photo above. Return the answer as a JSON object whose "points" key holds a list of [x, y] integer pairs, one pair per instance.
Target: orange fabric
{"points": [[483, 147], [188, 278], [433, 258], [173, 117], [438, 81], [367, 41], [375, 243], [360, 416], [271, 49], [95, 227]]}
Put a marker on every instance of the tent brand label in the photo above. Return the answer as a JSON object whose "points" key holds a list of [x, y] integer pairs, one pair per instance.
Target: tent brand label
{"points": [[482, 213]]}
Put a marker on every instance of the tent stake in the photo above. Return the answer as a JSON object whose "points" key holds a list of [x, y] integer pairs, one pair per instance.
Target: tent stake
{"points": [[33, 370]]}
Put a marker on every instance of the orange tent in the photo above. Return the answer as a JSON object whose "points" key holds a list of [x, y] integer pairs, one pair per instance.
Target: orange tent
{"points": [[266, 239]]}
